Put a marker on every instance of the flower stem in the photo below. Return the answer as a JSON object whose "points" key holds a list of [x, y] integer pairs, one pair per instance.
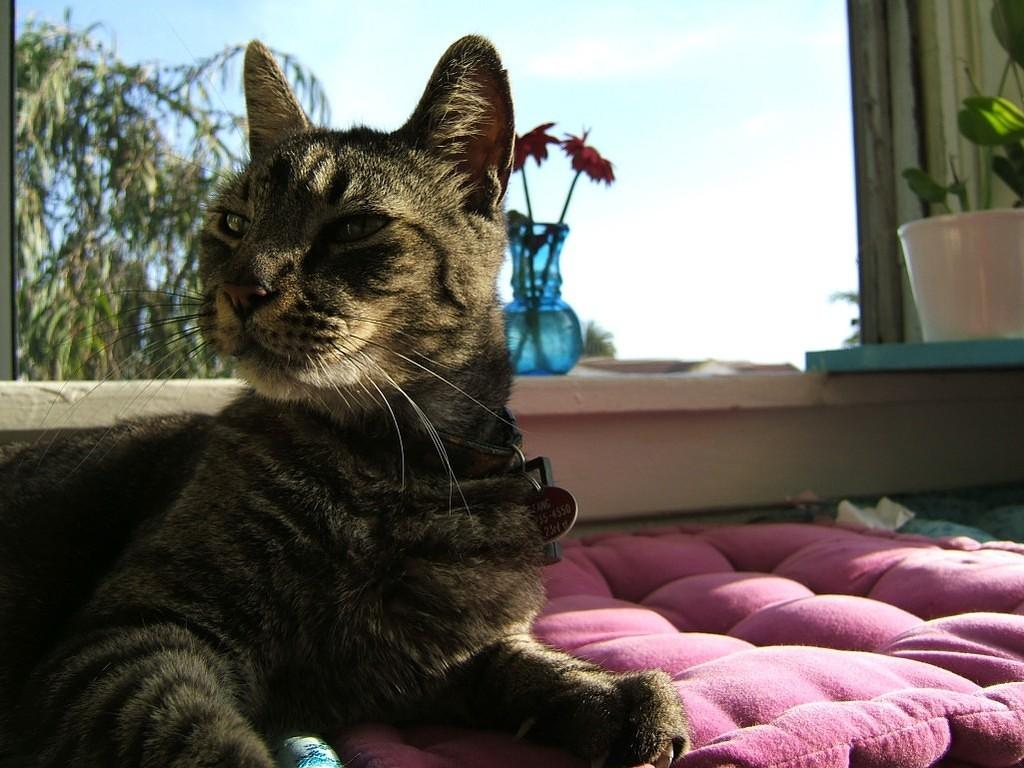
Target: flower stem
{"points": [[554, 245], [530, 246], [524, 249], [568, 197], [526, 193]]}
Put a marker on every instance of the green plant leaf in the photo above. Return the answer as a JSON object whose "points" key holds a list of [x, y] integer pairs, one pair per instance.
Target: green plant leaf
{"points": [[924, 186], [959, 190], [1015, 152], [990, 121], [1011, 176], [1008, 24]]}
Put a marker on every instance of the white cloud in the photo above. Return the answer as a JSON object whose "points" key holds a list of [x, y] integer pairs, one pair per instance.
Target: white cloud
{"points": [[599, 57]]}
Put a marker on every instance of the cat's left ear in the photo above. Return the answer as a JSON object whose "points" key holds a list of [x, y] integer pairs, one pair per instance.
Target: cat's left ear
{"points": [[465, 114], [271, 107]]}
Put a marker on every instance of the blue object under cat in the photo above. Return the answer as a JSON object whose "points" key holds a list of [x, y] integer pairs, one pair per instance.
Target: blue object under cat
{"points": [[306, 752]]}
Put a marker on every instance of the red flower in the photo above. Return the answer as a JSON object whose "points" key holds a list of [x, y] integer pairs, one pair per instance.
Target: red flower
{"points": [[533, 144], [587, 159]]}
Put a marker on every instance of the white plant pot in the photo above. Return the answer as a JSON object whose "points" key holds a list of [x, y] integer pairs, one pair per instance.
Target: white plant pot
{"points": [[967, 274]]}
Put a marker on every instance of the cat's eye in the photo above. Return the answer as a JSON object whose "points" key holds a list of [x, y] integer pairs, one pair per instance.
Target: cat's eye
{"points": [[234, 224], [352, 228]]}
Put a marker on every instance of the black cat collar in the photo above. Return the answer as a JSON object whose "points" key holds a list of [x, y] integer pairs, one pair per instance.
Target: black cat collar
{"points": [[553, 508]]}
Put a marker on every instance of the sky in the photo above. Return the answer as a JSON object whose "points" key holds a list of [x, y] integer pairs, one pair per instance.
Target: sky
{"points": [[731, 222]]}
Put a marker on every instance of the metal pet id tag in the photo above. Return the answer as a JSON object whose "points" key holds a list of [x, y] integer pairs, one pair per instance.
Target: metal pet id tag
{"points": [[554, 509]]}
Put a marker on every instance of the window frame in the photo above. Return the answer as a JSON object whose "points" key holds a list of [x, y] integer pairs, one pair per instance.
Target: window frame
{"points": [[886, 94], [882, 42], [8, 356]]}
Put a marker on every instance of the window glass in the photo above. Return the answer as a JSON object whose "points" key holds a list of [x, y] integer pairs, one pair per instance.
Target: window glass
{"points": [[728, 232]]}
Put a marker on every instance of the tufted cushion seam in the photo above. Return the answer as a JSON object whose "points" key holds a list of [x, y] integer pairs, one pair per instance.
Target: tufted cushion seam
{"points": [[866, 740]]}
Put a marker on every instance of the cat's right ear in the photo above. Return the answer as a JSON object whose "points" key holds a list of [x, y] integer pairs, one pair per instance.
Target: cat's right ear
{"points": [[271, 107], [465, 116]]}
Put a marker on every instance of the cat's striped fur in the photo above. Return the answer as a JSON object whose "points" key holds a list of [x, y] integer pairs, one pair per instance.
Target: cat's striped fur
{"points": [[181, 592]]}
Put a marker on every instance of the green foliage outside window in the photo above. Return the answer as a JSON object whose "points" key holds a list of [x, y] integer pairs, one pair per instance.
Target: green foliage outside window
{"points": [[112, 164], [597, 341]]}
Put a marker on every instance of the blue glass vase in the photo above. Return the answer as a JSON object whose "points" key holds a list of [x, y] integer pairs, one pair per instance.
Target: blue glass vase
{"points": [[543, 332]]}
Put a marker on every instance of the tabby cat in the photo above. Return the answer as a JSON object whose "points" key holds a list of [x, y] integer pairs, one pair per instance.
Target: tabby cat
{"points": [[185, 591]]}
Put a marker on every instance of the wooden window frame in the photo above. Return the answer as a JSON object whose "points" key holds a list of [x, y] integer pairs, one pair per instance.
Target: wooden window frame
{"points": [[8, 355]]}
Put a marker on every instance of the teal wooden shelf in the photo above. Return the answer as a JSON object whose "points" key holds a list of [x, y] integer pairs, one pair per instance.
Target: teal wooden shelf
{"points": [[930, 356]]}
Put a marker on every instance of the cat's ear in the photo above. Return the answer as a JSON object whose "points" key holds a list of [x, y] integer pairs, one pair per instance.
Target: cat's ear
{"points": [[465, 115], [272, 108]]}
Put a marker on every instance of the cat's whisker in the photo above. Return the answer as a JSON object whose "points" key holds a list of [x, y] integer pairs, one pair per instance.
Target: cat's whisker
{"points": [[364, 375], [141, 329], [184, 333], [383, 399], [350, 360], [325, 375], [58, 395], [100, 329], [128, 406], [431, 432], [167, 343], [396, 328], [110, 324], [437, 376], [323, 402], [159, 292], [369, 395], [149, 307], [398, 431], [163, 382], [170, 320]]}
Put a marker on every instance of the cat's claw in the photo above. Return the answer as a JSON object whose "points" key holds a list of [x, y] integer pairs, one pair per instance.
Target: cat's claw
{"points": [[666, 759], [528, 723]]}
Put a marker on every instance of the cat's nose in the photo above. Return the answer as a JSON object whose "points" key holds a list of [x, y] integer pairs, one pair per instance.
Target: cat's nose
{"points": [[245, 298]]}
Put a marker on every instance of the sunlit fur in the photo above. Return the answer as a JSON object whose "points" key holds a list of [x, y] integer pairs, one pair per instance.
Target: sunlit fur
{"points": [[183, 591], [345, 314]]}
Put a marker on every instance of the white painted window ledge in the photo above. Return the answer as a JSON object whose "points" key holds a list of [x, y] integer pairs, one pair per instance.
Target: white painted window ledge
{"points": [[648, 445]]}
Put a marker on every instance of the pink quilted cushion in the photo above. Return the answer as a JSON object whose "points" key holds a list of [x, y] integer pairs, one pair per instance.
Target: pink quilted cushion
{"points": [[793, 646]]}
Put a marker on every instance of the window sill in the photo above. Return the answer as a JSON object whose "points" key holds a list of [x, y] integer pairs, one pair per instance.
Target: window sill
{"points": [[634, 445]]}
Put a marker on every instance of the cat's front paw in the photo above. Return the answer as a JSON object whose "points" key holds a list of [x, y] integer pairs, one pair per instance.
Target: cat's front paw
{"points": [[618, 721], [652, 728]]}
